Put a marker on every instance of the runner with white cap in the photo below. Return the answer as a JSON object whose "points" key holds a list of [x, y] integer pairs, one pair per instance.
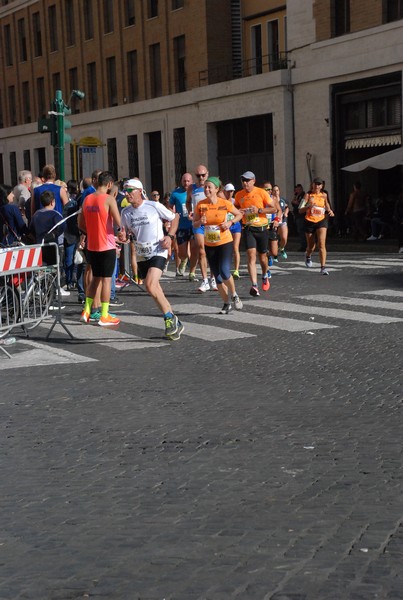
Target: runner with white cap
{"points": [[144, 220]]}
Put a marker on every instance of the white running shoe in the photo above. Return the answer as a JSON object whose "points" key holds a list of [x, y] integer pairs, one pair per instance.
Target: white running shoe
{"points": [[205, 286], [64, 292], [400, 250], [371, 238], [324, 271], [213, 284], [238, 305]]}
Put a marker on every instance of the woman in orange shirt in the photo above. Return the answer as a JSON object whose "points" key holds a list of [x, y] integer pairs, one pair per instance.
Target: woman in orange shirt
{"points": [[316, 208], [217, 215]]}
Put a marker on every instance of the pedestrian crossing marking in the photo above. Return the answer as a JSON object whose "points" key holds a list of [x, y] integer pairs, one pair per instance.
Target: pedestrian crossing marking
{"points": [[255, 319], [390, 293], [383, 304], [322, 311], [38, 355], [208, 333]]}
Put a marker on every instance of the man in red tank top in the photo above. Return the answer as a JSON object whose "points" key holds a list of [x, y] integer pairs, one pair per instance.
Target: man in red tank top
{"points": [[99, 213]]}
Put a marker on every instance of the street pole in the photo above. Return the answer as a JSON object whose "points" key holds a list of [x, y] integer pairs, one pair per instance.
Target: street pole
{"points": [[59, 106]]}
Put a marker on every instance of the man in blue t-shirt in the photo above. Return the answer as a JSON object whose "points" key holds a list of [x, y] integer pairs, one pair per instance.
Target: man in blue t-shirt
{"points": [[60, 194], [184, 236]]}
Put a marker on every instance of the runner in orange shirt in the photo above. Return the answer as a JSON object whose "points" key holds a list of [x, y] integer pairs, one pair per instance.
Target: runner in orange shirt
{"points": [[316, 208], [255, 204], [217, 215]]}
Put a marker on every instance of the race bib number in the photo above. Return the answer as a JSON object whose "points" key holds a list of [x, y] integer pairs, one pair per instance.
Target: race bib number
{"points": [[144, 250], [184, 210], [317, 211], [212, 234], [251, 218]]}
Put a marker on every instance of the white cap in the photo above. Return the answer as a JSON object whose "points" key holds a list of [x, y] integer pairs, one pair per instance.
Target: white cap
{"points": [[229, 188], [133, 183]]}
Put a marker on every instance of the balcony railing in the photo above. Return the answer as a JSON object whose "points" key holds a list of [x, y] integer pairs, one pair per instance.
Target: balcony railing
{"points": [[245, 68]]}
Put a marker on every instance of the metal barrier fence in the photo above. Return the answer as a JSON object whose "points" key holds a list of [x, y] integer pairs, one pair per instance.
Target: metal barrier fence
{"points": [[29, 290]]}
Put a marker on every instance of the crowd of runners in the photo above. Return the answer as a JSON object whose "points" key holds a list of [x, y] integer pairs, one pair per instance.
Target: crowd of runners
{"points": [[200, 224]]}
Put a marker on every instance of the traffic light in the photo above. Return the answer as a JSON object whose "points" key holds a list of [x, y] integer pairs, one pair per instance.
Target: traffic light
{"points": [[49, 125]]}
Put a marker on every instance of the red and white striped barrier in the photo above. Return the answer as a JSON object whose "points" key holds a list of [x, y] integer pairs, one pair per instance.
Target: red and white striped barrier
{"points": [[20, 258]]}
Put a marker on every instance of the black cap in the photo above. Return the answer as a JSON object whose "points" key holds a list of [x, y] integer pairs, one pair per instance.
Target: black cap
{"points": [[318, 180]]}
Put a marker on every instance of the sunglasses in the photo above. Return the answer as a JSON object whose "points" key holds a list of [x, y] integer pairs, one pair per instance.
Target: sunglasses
{"points": [[268, 189], [130, 190], [244, 179], [201, 174]]}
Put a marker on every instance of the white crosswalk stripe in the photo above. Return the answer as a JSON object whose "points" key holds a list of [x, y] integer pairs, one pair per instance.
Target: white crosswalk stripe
{"points": [[344, 300], [314, 310], [38, 355], [388, 293], [255, 319]]}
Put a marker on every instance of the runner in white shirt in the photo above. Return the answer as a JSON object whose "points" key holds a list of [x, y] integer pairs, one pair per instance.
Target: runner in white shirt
{"points": [[144, 220]]}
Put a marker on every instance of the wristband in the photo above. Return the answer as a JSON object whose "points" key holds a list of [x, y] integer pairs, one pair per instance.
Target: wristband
{"points": [[277, 219], [171, 236]]}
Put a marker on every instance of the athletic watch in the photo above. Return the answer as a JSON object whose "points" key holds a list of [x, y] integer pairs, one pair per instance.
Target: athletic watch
{"points": [[171, 236]]}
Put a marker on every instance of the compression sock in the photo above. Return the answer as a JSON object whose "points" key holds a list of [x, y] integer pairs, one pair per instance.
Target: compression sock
{"points": [[104, 309], [88, 304]]}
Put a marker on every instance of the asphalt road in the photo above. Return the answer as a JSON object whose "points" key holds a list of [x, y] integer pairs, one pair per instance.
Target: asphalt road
{"points": [[260, 457]]}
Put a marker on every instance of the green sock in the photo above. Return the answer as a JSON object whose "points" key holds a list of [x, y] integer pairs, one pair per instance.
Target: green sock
{"points": [[104, 309], [88, 304]]}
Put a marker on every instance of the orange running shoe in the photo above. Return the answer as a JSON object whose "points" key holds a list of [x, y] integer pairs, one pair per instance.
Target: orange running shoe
{"points": [[108, 321], [85, 317]]}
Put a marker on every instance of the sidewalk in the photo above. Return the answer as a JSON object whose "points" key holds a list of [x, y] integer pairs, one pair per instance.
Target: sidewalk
{"points": [[336, 244]]}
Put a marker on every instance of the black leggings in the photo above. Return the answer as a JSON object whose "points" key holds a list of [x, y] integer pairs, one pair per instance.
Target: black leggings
{"points": [[220, 260]]}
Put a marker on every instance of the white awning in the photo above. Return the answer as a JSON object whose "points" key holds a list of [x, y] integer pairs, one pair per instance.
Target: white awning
{"points": [[373, 142], [387, 160]]}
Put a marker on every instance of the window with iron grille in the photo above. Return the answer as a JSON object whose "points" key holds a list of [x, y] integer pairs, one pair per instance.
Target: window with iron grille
{"points": [[179, 153], [133, 155], [112, 157]]}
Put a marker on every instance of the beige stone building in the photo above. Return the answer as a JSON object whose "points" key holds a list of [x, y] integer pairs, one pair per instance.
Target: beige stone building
{"points": [[289, 90]]}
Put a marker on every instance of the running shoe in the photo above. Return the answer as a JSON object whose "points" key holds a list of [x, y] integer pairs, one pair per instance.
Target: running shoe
{"points": [[371, 238], [213, 284], [171, 325], [192, 277], [175, 336], [182, 268], [85, 317], [226, 309], [275, 259], [63, 292], [96, 315], [324, 271], [254, 291], [120, 285], [265, 284], [116, 302], [236, 274], [308, 262], [205, 287], [270, 261], [238, 305], [108, 321], [283, 253], [138, 280]]}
